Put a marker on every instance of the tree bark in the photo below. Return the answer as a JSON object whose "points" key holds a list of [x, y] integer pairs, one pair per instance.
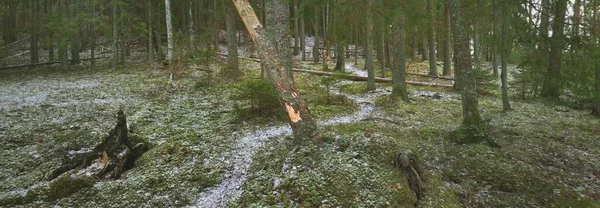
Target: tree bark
{"points": [[399, 66], [34, 46], [299, 116], [369, 47], [232, 46], [505, 48], [278, 15], [302, 30], [465, 80], [149, 51], [365, 79], [447, 43], [115, 58], [169, 31], [552, 81], [296, 27], [315, 24], [431, 39]]}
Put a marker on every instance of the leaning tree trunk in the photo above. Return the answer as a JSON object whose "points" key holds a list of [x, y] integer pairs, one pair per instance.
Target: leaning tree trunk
{"points": [[169, 32], [431, 39], [465, 79], [399, 66], [369, 48], [299, 116]]}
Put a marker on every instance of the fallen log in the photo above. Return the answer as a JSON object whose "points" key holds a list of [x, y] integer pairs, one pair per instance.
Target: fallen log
{"points": [[44, 64], [364, 79], [114, 155]]}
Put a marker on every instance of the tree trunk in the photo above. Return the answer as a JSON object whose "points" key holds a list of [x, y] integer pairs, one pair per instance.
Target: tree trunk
{"points": [[232, 46], [380, 37], [169, 31], [115, 58], [505, 48], [399, 66], [340, 57], [34, 46], [552, 81], [476, 51], [93, 34], [495, 35], [431, 39], [596, 100], [277, 19], [369, 48], [191, 26], [296, 27], [299, 116], [315, 24], [149, 51], [447, 44], [302, 32], [464, 75]]}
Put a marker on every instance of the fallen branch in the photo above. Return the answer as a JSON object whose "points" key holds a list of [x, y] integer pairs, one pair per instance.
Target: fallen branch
{"points": [[45, 63], [364, 79]]}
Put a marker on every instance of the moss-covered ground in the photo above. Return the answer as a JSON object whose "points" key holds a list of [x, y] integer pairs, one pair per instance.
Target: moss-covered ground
{"points": [[548, 155]]}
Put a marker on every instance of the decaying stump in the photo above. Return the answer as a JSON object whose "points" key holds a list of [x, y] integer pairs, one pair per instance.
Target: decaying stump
{"points": [[407, 162], [111, 157]]}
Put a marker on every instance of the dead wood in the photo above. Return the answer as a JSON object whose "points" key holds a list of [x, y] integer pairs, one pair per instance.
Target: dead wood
{"points": [[115, 154]]}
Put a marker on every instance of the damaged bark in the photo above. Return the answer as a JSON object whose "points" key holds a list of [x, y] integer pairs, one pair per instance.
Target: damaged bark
{"points": [[113, 156], [299, 116]]}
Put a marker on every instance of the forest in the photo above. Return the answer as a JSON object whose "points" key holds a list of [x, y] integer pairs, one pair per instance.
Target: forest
{"points": [[300, 103]]}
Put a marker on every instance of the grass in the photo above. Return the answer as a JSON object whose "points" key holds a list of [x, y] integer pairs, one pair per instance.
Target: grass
{"points": [[548, 157]]}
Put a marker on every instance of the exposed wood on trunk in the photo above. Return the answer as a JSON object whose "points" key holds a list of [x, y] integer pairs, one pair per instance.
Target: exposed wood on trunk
{"points": [[300, 118]]}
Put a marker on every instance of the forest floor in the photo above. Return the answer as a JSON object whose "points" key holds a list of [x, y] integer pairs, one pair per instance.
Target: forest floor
{"points": [[211, 149]]}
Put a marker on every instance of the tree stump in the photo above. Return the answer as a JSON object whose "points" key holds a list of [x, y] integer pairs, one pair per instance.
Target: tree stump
{"points": [[408, 163], [116, 154]]}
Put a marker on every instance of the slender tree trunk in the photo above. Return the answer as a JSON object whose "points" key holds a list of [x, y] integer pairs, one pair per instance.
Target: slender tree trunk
{"points": [[476, 51], [340, 56], [380, 37], [369, 48], [327, 54], [505, 47], [315, 22], [149, 52], [424, 51], [495, 33], [34, 46], [115, 58], [302, 31], [596, 36], [463, 69], [447, 44], [191, 25], [232, 47], [552, 81], [299, 116], [296, 20], [431, 39], [169, 32], [399, 66], [93, 34]]}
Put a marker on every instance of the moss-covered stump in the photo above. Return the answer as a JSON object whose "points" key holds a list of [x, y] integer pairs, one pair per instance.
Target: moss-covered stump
{"points": [[111, 157]]}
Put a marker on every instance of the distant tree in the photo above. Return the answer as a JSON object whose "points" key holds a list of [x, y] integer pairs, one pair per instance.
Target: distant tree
{"points": [[369, 66], [169, 31], [552, 82], [431, 38], [232, 46]]}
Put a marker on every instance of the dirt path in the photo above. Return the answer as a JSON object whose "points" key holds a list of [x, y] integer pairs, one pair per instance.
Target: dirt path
{"points": [[231, 187]]}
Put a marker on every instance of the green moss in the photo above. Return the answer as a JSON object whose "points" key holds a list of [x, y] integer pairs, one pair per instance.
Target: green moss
{"points": [[354, 88], [66, 185]]}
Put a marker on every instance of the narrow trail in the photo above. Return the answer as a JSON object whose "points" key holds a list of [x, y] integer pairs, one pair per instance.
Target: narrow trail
{"points": [[241, 156]]}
